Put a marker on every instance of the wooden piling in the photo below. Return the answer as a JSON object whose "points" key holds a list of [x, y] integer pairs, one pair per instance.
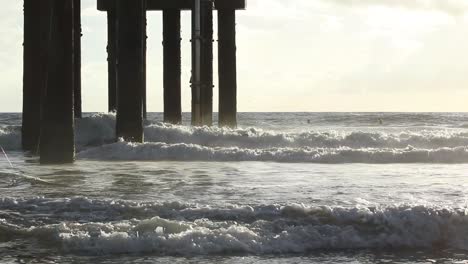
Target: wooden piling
{"points": [[130, 69], [227, 67], [77, 58], [57, 127], [144, 86], [202, 63], [207, 63], [112, 58], [195, 79], [172, 66], [34, 75]]}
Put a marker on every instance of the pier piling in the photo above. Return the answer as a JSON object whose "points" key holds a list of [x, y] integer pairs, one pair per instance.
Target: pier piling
{"points": [[207, 63], [202, 58], [202, 63], [130, 69], [144, 87], [52, 68], [77, 58], [172, 66], [227, 67], [112, 58], [34, 76], [57, 125]]}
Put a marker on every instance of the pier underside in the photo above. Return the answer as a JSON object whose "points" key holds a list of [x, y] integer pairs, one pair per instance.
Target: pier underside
{"points": [[105, 5], [52, 68]]}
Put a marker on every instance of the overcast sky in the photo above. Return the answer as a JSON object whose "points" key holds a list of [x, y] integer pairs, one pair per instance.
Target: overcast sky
{"points": [[295, 55]]}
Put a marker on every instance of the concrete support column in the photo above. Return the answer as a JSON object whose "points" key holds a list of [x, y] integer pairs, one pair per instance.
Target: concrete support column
{"points": [[172, 66], [130, 69], [36, 23], [112, 58], [227, 68], [57, 129], [77, 58], [202, 63]]}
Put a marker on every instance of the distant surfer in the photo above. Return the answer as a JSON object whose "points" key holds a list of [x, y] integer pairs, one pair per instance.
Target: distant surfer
{"points": [[380, 121], [308, 121]]}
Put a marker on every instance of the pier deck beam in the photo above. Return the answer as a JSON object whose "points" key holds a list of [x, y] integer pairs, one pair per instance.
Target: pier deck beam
{"points": [[202, 63], [57, 129], [227, 68], [130, 69], [155, 5], [172, 66], [112, 58], [34, 75]]}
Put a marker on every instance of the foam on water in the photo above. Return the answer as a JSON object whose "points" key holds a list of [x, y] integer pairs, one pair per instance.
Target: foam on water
{"points": [[249, 208], [95, 130], [10, 137], [95, 134], [191, 152], [258, 138], [184, 229]]}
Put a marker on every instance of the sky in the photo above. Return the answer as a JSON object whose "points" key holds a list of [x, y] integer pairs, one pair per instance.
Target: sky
{"points": [[294, 55]]}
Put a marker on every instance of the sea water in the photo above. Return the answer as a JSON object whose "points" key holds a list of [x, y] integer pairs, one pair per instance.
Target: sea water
{"points": [[280, 188]]}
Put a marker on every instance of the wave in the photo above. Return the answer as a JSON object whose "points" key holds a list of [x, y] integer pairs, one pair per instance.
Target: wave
{"points": [[257, 138], [244, 144], [182, 229], [190, 152], [10, 137], [100, 129], [95, 130]]}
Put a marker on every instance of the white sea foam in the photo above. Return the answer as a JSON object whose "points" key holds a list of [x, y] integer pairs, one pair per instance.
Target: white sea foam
{"points": [[95, 130], [10, 137], [267, 229], [174, 142], [191, 152], [258, 138]]}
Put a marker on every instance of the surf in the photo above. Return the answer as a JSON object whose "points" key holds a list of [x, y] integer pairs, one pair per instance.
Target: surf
{"points": [[191, 230]]}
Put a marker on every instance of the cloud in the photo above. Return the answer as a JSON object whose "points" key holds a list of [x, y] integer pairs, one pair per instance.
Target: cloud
{"points": [[451, 7]]}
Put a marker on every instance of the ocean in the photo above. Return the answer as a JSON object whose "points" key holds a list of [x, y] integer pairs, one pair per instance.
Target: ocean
{"points": [[280, 188]]}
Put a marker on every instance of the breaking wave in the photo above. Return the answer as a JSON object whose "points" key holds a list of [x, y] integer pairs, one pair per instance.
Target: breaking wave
{"points": [[95, 130], [10, 137], [190, 152], [184, 229], [95, 140], [258, 138]]}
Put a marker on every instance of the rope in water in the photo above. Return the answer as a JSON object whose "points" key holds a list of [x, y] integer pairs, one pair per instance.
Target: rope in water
{"points": [[6, 156]]}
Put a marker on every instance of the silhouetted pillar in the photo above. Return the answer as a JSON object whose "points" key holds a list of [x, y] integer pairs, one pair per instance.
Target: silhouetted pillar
{"points": [[145, 38], [202, 63], [112, 58], [77, 58], [57, 136], [172, 66], [227, 68], [130, 69], [207, 63], [195, 79], [34, 76]]}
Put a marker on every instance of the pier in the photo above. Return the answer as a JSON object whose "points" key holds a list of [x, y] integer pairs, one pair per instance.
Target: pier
{"points": [[52, 68]]}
